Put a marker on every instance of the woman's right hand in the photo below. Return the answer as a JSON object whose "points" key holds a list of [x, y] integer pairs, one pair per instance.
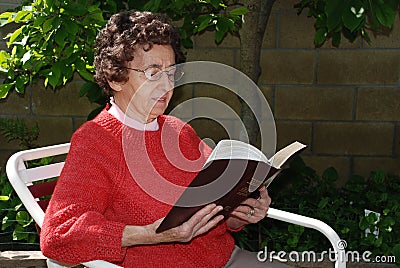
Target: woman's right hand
{"points": [[200, 223]]}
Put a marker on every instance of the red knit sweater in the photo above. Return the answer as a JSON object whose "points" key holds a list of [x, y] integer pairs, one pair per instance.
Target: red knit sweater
{"points": [[96, 196]]}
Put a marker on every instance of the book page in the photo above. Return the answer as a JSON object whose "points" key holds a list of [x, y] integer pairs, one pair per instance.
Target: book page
{"points": [[234, 149], [284, 154]]}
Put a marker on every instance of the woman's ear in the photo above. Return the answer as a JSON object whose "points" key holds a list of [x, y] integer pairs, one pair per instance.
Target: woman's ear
{"points": [[116, 86]]}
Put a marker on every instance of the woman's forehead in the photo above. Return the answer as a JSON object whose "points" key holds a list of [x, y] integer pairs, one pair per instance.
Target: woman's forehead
{"points": [[159, 55]]}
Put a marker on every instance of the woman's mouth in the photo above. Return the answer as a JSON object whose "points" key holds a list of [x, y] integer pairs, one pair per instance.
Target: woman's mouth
{"points": [[161, 99]]}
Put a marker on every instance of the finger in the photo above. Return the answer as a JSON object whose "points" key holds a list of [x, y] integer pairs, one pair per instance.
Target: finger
{"points": [[209, 225], [207, 222], [200, 219], [199, 215], [263, 192], [250, 202], [243, 217], [243, 208], [244, 211]]}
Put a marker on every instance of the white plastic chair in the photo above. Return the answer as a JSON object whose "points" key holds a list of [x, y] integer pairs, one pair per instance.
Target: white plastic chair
{"points": [[22, 179]]}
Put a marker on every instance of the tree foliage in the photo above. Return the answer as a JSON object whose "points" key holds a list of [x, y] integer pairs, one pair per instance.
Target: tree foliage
{"points": [[350, 18], [56, 38]]}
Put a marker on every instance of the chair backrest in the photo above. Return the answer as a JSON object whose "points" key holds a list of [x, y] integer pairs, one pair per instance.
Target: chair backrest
{"points": [[30, 183], [34, 189]]}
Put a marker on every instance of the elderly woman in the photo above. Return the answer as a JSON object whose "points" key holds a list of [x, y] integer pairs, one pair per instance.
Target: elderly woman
{"points": [[98, 210]]}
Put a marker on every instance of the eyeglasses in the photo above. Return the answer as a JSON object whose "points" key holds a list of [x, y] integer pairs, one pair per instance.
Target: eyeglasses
{"points": [[153, 73]]}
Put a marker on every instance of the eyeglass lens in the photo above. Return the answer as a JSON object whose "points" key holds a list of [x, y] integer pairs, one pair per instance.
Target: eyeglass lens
{"points": [[174, 74]]}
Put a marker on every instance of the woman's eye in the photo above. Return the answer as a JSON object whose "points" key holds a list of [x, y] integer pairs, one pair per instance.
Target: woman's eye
{"points": [[154, 72]]}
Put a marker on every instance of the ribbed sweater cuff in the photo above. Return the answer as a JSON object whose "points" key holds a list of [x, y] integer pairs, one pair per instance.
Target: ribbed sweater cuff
{"points": [[109, 244]]}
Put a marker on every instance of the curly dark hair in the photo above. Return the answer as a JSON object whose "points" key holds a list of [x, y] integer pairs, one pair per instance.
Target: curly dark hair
{"points": [[125, 32]]}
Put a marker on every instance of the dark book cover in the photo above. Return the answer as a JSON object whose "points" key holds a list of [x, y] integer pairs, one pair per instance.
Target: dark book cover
{"points": [[231, 180]]}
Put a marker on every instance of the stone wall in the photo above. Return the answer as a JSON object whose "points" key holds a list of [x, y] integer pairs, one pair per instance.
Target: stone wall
{"points": [[344, 103]]}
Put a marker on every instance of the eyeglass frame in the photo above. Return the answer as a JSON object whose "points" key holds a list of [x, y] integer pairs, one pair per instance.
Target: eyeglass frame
{"points": [[158, 75]]}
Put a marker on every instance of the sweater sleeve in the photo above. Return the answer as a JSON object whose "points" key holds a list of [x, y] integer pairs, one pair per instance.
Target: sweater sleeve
{"points": [[75, 229]]}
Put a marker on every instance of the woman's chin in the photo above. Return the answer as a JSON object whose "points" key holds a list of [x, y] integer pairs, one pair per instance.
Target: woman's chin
{"points": [[157, 111]]}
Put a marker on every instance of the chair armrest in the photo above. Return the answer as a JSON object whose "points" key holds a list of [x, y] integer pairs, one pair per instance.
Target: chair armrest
{"points": [[337, 243], [100, 264], [89, 264]]}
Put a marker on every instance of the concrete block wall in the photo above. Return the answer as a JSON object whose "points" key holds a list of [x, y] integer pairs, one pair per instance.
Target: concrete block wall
{"points": [[344, 103]]}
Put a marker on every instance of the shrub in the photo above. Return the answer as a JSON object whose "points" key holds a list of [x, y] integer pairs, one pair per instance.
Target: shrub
{"points": [[300, 190]]}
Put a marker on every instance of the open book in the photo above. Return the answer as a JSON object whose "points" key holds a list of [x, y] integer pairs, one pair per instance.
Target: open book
{"points": [[232, 173]]}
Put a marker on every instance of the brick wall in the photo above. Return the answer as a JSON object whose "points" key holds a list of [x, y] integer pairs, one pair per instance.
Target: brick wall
{"points": [[344, 103]]}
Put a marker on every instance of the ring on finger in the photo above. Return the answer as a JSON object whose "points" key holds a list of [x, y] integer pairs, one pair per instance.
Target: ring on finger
{"points": [[251, 212]]}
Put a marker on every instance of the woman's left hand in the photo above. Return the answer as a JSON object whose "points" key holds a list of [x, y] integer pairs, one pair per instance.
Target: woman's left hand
{"points": [[250, 211]]}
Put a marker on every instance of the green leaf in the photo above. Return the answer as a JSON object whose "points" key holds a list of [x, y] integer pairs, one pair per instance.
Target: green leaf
{"points": [[371, 218], [4, 198], [6, 18], [378, 176], [320, 37], [32, 238], [205, 21], [6, 222], [334, 10], [345, 230], [23, 16], [19, 233], [96, 15], [222, 27], [54, 77], [239, 11], [363, 224], [4, 89], [60, 36], [396, 252], [219, 36], [225, 24], [39, 20], [23, 218], [152, 5], [76, 9], [14, 36], [324, 201], [330, 174], [20, 83], [92, 91], [385, 14], [48, 25], [352, 18], [71, 27], [85, 74], [4, 58], [386, 211], [216, 3], [187, 43]]}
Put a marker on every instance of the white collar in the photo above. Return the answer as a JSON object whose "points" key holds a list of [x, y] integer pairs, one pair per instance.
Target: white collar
{"points": [[130, 122]]}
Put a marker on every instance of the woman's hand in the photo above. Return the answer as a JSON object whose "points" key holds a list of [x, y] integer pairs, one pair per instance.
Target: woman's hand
{"points": [[250, 211], [198, 224]]}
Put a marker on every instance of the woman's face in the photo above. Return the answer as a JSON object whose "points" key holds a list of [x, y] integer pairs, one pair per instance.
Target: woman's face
{"points": [[140, 98]]}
